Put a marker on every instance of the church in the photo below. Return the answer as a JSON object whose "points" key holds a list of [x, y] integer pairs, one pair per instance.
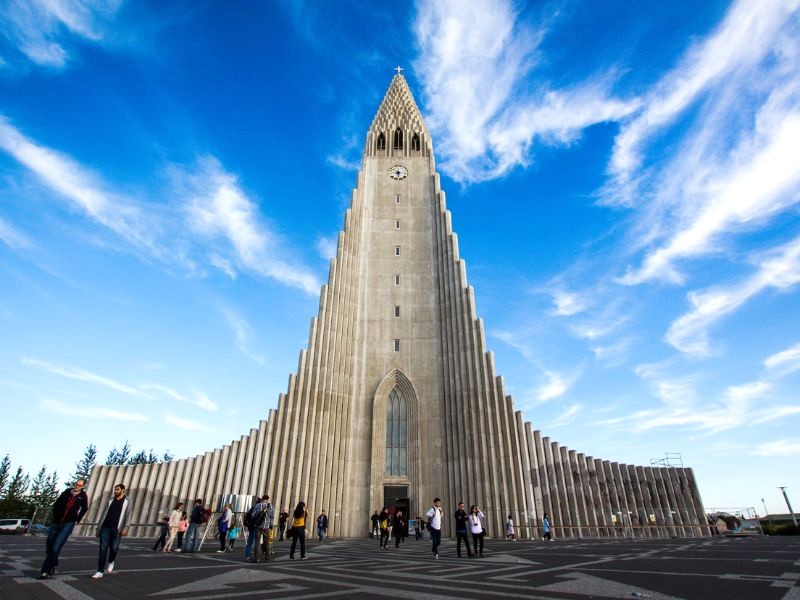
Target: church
{"points": [[396, 399]]}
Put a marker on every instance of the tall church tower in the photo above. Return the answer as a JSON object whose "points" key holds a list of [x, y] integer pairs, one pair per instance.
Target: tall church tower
{"points": [[396, 400]]}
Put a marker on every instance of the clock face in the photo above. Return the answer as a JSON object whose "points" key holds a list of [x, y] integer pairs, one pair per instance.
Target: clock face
{"points": [[398, 172]]}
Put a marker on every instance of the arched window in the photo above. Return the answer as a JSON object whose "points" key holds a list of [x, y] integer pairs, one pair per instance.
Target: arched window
{"points": [[398, 139], [381, 142], [396, 435], [415, 142]]}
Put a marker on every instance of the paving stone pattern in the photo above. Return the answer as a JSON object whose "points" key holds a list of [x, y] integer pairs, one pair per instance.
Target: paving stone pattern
{"points": [[720, 568]]}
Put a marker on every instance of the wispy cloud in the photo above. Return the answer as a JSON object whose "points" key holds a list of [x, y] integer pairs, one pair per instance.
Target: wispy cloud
{"points": [[474, 61], [556, 384], [200, 399], [778, 448], [13, 238], [566, 417], [244, 335], [90, 412], [566, 304], [186, 424], [44, 30], [779, 269], [82, 188], [220, 210], [784, 362], [81, 375]]}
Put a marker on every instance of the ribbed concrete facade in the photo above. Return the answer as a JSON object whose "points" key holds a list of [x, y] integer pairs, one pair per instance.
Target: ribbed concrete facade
{"points": [[397, 396]]}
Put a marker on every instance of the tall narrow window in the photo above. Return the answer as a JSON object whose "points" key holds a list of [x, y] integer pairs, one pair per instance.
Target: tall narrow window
{"points": [[397, 224], [397, 250], [396, 435], [415, 142], [381, 145], [398, 139], [397, 345], [397, 279], [396, 311], [397, 199]]}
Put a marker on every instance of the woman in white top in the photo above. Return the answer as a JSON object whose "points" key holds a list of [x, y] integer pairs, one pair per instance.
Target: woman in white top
{"points": [[174, 522], [476, 529]]}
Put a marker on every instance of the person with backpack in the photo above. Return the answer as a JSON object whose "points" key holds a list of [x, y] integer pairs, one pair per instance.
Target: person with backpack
{"points": [[263, 523], [198, 517], [252, 521], [435, 526]]}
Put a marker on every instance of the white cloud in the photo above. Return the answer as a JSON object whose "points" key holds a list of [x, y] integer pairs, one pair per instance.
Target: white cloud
{"points": [[568, 303], [204, 402], [778, 448], [220, 210], [779, 269], [566, 417], [93, 412], [244, 335], [185, 424], [81, 375], [42, 30], [326, 246], [784, 362], [474, 61]]}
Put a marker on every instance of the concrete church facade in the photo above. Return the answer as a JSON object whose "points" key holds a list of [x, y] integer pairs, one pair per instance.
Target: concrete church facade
{"points": [[396, 400]]}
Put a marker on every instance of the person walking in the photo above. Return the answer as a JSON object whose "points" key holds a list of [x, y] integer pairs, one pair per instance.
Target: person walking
{"points": [[223, 524], [546, 529], [197, 518], [383, 525], [375, 519], [299, 517], [322, 526], [283, 517], [113, 525], [418, 528], [173, 524], [462, 517], [435, 525], [476, 529], [399, 528], [252, 521], [510, 529], [68, 510], [182, 527], [232, 535], [163, 531]]}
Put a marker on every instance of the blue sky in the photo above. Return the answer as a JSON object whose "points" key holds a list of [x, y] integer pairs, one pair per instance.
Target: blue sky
{"points": [[624, 179]]}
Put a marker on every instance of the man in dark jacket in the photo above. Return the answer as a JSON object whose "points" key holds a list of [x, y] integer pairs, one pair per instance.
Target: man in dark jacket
{"points": [[68, 511], [197, 518]]}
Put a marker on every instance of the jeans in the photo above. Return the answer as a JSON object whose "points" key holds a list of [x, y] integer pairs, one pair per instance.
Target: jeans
{"points": [[298, 533], [56, 538], [109, 546], [436, 539], [461, 535], [252, 534], [320, 533], [477, 540], [191, 537], [383, 541]]}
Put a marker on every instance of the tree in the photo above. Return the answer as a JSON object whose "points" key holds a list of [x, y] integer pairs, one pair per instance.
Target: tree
{"points": [[17, 486], [167, 456], [15, 503], [119, 457], [83, 468], [5, 468]]}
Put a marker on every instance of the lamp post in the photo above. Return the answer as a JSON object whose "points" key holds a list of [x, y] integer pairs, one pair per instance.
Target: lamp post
{"points": [[789, 504]]}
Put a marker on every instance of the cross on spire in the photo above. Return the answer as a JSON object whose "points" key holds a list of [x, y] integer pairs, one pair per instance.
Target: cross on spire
{"points": [[399, 69]]}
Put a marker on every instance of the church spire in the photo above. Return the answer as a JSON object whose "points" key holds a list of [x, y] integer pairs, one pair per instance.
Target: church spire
{"points": [[398, 128]]}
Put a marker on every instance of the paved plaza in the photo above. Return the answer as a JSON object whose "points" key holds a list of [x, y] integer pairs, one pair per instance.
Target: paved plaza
{"points": [[720, 568]]}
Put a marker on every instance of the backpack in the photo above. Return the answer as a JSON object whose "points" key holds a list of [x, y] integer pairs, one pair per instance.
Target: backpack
{"points": [[254, 517]]}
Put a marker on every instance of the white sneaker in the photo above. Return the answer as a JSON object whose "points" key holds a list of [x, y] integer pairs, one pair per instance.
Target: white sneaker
{"points": [[220, 551], [98, 575], [178, 550], [110, 567]]}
